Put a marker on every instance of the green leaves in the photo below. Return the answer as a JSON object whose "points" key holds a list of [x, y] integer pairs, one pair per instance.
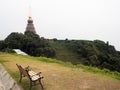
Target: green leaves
{"points": [[30, 43]]}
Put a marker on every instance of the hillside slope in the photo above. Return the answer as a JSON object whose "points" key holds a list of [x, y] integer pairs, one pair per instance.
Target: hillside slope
{"points": [[95, 53], [64, 54], [57, 76]]}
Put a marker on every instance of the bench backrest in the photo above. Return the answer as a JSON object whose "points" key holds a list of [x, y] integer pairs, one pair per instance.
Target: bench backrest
{"points": [[22, 70]]}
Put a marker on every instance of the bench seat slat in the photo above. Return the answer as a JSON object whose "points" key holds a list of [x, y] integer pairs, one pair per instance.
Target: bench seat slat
{"points": [[33, 75]]}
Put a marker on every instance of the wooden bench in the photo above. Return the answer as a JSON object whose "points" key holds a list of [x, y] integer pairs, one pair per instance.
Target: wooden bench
{"points": [[35, 78]]}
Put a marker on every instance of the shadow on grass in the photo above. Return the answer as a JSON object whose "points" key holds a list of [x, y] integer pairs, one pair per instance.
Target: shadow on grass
{"points": [[25, 84], [3, 61]]}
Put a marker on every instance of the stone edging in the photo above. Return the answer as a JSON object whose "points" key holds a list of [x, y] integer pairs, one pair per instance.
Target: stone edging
{"points": [[6, 81]]}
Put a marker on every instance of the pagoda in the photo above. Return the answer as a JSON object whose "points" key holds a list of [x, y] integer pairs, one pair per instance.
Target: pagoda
{"points": [[30, 26]]}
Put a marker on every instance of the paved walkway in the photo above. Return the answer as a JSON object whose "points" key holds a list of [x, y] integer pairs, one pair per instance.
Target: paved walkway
{"points": [[6, 81]]}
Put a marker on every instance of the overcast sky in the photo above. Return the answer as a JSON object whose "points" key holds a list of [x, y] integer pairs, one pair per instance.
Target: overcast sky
{"points": [[61, 19]]}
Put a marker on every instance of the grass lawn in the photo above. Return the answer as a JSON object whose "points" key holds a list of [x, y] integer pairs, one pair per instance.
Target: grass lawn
{"points": [[57, 76]]}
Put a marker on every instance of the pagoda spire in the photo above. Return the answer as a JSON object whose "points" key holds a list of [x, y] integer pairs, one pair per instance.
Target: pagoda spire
{"points": [[30, 26], [30, 13]]}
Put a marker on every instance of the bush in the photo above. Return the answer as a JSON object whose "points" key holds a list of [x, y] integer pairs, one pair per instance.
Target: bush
{"points": [[8, 50]]}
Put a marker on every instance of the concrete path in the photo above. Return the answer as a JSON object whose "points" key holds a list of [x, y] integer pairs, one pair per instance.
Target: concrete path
{"points": [[6, 81]]}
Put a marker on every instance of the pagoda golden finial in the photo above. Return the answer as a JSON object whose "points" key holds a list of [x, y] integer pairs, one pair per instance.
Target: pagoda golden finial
{"points": [[30, 18]]}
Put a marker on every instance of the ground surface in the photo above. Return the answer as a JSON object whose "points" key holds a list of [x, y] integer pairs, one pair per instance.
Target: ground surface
{"points": [[58, 77]]}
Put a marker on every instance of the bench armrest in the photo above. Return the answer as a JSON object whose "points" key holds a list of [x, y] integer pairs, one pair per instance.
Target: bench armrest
{"points": [[27, 68]]}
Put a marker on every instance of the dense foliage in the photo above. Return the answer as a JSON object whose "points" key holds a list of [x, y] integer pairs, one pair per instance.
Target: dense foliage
{"points": [[30, 43], [93, 53]]}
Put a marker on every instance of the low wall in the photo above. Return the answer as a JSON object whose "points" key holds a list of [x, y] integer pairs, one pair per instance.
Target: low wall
{"points": [[6, 81]]}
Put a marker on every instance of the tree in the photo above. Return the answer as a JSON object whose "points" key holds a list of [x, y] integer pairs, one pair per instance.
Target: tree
{"points": [[2, 45], [14, 40], [30, 43]]}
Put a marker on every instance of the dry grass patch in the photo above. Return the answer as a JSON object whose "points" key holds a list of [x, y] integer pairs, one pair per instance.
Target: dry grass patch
{"points": [[58, 77]]}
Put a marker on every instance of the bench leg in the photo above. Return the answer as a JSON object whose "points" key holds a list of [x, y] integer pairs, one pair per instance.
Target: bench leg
{"points": [[41, 84], [20, 77], [30, 85]]}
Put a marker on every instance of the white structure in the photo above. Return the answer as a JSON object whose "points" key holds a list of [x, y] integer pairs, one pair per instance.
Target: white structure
{"points": [[18, 51]]}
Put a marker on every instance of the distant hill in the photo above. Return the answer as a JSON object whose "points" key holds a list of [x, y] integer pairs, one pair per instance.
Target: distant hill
{"points": [[95, 53]]}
